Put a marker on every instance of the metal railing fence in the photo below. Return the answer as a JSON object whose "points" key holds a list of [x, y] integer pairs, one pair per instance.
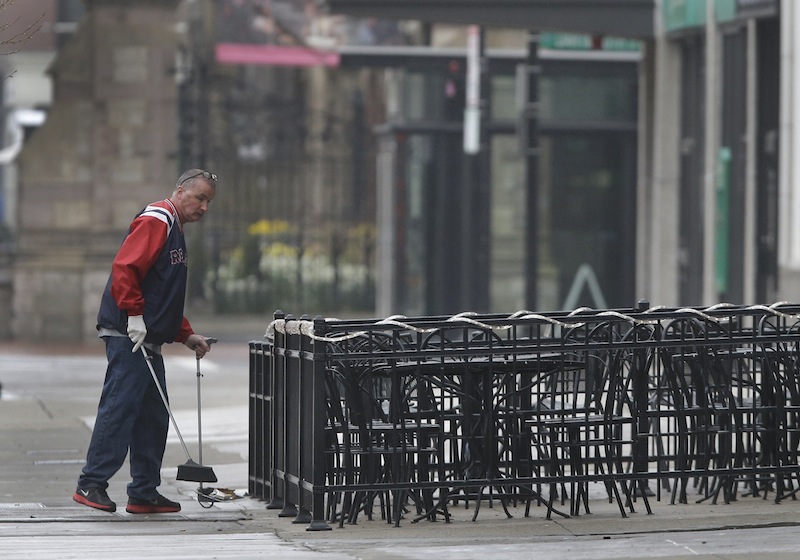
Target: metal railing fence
{"points": [[358, 417]]}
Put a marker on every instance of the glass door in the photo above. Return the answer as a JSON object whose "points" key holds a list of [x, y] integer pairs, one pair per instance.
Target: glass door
{"points": [[587, 222]]}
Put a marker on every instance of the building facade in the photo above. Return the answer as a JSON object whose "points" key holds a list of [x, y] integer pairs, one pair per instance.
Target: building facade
{"points": [[713, 213], [31, 34], [144, 90], [108, 146], [717, 183], [628, 150], [454, 227]]}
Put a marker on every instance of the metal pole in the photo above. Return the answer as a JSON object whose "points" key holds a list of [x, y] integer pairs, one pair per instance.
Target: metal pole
{"points": [[530, 125], [477, 198]]}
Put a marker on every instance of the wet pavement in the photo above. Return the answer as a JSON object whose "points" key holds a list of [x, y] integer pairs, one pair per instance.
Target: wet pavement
{"points": [[49, 395]]}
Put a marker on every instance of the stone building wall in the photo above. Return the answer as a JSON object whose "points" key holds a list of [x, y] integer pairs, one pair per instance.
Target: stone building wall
{"points": [[109, 147]]}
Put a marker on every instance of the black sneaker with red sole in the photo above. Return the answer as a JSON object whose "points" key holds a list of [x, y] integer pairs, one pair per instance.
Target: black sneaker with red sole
{"points": [[94, 497], [158, 504]]}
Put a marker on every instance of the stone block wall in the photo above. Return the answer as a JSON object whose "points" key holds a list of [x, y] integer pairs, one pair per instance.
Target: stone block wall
{"points": [[108, 148]]}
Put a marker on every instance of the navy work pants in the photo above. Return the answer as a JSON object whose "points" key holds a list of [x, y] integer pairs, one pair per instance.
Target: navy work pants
{"points": [[131, 417]]}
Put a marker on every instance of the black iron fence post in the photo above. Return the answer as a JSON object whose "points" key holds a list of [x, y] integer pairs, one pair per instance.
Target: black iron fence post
{"points": [[641, 394], [286, 438], [273, 386], [303, 409], [316, 413]]}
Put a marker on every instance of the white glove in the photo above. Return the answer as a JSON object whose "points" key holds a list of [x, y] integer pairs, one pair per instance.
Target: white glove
{"points": [[137, 331]]}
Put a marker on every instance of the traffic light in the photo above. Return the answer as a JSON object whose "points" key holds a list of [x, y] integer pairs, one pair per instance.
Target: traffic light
{"points": [[454, 91]]}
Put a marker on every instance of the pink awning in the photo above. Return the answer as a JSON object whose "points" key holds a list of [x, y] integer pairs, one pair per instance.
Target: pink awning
{"points": [[271, 55]]}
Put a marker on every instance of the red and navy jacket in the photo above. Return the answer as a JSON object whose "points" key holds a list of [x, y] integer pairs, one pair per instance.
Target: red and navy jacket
{"points": [[148, 277]]}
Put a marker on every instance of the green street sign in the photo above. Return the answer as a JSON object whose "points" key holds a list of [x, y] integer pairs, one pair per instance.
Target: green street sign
{"points": [[579, 42]]}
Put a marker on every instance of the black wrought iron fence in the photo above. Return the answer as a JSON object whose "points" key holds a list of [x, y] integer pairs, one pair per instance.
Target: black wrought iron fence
{"points": [[401, 415]]}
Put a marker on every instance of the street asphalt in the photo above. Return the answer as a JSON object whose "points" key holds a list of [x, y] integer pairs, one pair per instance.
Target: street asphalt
{"points": [[47, 404]]}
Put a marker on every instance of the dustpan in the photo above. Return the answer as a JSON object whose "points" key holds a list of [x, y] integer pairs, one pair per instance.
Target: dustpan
{"points": [[195, 472]]}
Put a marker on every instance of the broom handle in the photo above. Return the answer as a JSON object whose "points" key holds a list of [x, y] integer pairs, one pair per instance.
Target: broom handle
{"points": [[148, 359]]}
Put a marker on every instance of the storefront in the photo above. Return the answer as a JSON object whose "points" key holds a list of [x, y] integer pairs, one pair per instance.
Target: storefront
{"points": [[713, 214], [729, 128], [542, 220], [438, 240]]}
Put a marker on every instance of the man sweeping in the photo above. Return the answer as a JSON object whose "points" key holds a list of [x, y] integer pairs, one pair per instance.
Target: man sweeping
{"points": [[142, 306]]}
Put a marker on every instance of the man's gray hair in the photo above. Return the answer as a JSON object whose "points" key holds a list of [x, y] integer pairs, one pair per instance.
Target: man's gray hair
{"points": [[192, 173]]}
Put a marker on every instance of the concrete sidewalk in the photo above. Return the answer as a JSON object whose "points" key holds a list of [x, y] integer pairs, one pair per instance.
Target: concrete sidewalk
{"points": [[47, 405]]}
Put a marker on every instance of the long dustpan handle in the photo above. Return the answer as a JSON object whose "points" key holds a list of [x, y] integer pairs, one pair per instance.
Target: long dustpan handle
{"points": [[210, 341], [148, 359], [199, 417]]}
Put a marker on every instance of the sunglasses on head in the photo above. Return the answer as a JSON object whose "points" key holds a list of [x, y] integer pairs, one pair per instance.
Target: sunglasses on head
{"points": [[205, 174]]}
